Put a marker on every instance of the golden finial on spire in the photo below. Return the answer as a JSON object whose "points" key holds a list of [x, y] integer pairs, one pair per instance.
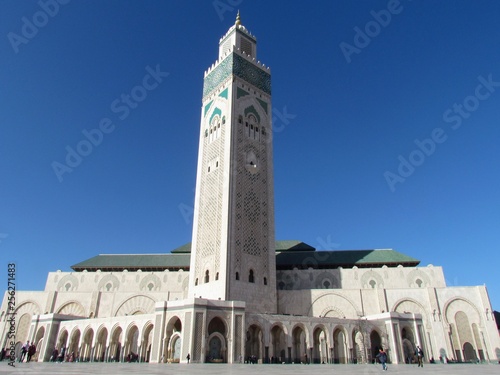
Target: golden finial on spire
{"points": [[238, 20]]}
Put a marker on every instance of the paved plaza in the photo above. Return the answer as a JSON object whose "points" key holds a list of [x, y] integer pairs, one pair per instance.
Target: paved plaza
{"points": [[215, 369]]}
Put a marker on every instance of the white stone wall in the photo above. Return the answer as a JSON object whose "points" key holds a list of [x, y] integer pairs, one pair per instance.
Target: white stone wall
{"points": [[361, 278], [166, 281]]}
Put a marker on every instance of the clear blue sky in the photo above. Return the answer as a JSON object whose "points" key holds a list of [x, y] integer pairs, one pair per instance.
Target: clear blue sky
{"points": [[348, 110]]}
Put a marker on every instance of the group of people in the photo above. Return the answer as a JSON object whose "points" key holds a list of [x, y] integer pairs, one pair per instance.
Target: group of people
{"points": [[132, 357], [27, 351], [382, 357], [62, 356]]}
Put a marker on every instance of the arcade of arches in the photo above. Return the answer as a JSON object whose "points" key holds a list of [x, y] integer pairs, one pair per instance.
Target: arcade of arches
{"points": [[263, 339]]}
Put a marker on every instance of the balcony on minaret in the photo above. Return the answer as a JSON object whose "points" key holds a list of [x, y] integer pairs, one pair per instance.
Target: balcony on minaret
{"points": [[238, 37]]}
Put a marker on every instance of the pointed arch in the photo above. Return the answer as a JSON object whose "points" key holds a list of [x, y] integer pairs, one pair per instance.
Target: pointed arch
{"points": [[300, 342], [115, 344], [279, 342], [320, 344], [340, 352], [147, 341], [254, 343], [101, 344], [38, 343], [87, 344]]}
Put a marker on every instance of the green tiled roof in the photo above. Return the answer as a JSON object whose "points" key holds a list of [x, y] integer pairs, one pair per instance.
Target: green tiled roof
{"points": [[289, 255], [343, 258], [183, 249], [293, 245]]}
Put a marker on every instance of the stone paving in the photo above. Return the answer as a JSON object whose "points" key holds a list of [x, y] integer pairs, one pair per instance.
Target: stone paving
{"points": [[240, 369]]}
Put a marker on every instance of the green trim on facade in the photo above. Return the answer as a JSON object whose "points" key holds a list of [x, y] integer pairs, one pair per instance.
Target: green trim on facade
{"points": [[217, 111], [263, 104], [240, 92], [207, 107], [217, 75], [252, 110], [252, 74], [240, 67], [223, 94]]}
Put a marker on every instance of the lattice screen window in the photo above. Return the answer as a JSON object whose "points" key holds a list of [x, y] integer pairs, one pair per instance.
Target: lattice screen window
{"points": [[226, 47], [197, 336], [246, 46]]}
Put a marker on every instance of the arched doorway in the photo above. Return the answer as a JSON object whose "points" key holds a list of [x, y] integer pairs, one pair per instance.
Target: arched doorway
{"points": [[339, 346], [175, 348], [375, 344], [171, 352], [299, 345], [63, 339], [38, 344], [465, 337], [215, 347], [131, 352], [278, 344], [216, 342], [320, 346], [254, 344], [100, 351], [74, 344], [86, 348], [115, 346], [469, 353], [147, 341], [409, 347], [408, 352]]}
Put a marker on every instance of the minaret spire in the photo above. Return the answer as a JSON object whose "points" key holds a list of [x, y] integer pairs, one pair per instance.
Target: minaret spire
{"points": [[238, 19]]}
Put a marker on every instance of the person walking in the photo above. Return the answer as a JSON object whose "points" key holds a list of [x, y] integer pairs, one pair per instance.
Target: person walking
{"points": [[420, 356], [31, 351], [188, 357], [55, 353], [382, 358], [24, 350]]}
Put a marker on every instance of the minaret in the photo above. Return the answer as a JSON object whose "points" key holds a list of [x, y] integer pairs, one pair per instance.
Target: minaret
{"points": [[233, 248]]}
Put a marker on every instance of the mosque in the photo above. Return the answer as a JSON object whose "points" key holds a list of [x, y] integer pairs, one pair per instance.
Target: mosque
{"points": [[234, 293]]}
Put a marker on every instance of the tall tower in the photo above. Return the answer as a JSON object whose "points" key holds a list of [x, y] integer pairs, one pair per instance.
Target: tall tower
{"points": [[233, 248]]}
